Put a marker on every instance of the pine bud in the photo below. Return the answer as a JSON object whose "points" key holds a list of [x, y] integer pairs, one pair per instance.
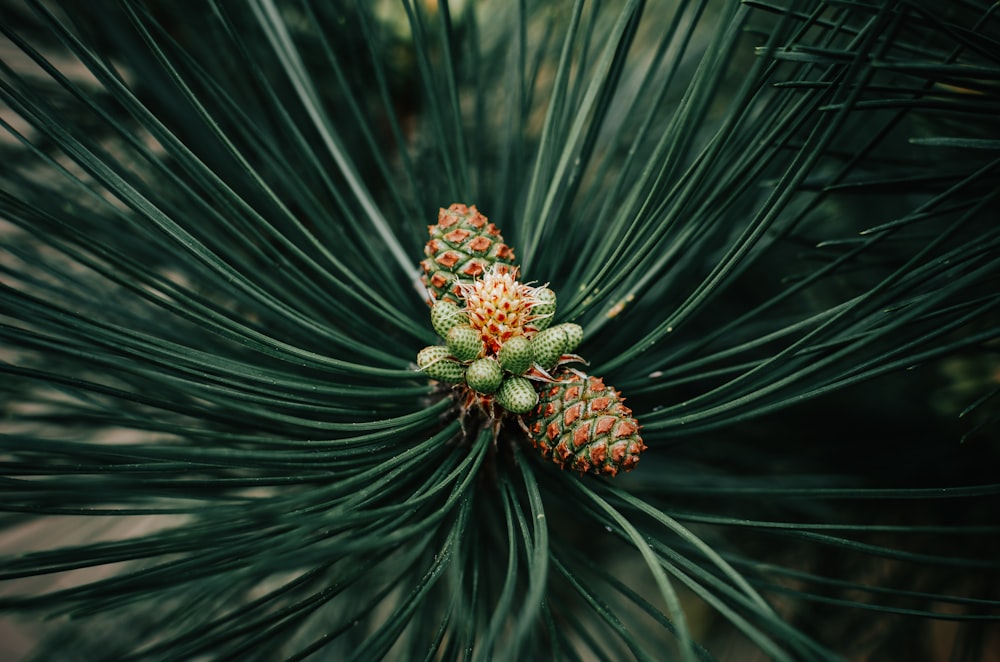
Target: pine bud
{"points": [[436, 362], [464, 342], [544, 309], [547, 347], [484, 375], [444, 315], [515, 355], [517, 395], [574, 336]]}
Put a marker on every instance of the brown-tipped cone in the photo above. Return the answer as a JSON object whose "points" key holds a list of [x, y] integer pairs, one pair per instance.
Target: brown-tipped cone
{"points": [[463, 245], [582, 424]]}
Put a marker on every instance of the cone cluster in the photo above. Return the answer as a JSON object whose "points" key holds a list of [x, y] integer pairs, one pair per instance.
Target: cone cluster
{"points": [[497, 333], [501, 347]]}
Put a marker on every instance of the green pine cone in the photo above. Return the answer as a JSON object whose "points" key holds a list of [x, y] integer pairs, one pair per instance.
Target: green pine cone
{"points": [[543, 312], [436, 362], [515, 355], [463, 245], [445, 315], [464, 342], [484, 375], [547, 346], [574, 336], [517, 395]]}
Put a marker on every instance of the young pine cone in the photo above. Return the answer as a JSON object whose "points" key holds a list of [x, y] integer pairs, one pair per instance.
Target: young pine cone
{"points": [[581, 423], [463, 245]]}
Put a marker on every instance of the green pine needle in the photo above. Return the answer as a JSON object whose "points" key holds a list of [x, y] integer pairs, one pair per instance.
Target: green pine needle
{"points": [[775, 222]]}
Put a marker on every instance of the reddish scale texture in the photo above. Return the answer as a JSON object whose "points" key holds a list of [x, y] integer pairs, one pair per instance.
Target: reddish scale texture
{"points": [[462, 246], [585, 425]]}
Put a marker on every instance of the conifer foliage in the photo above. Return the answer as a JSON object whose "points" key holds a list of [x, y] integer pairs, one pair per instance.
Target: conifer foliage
{"points": [[231, 426]]}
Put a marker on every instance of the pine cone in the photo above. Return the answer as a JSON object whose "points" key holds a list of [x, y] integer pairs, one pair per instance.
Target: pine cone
{"points": [[584, 424], [462, 246]]}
